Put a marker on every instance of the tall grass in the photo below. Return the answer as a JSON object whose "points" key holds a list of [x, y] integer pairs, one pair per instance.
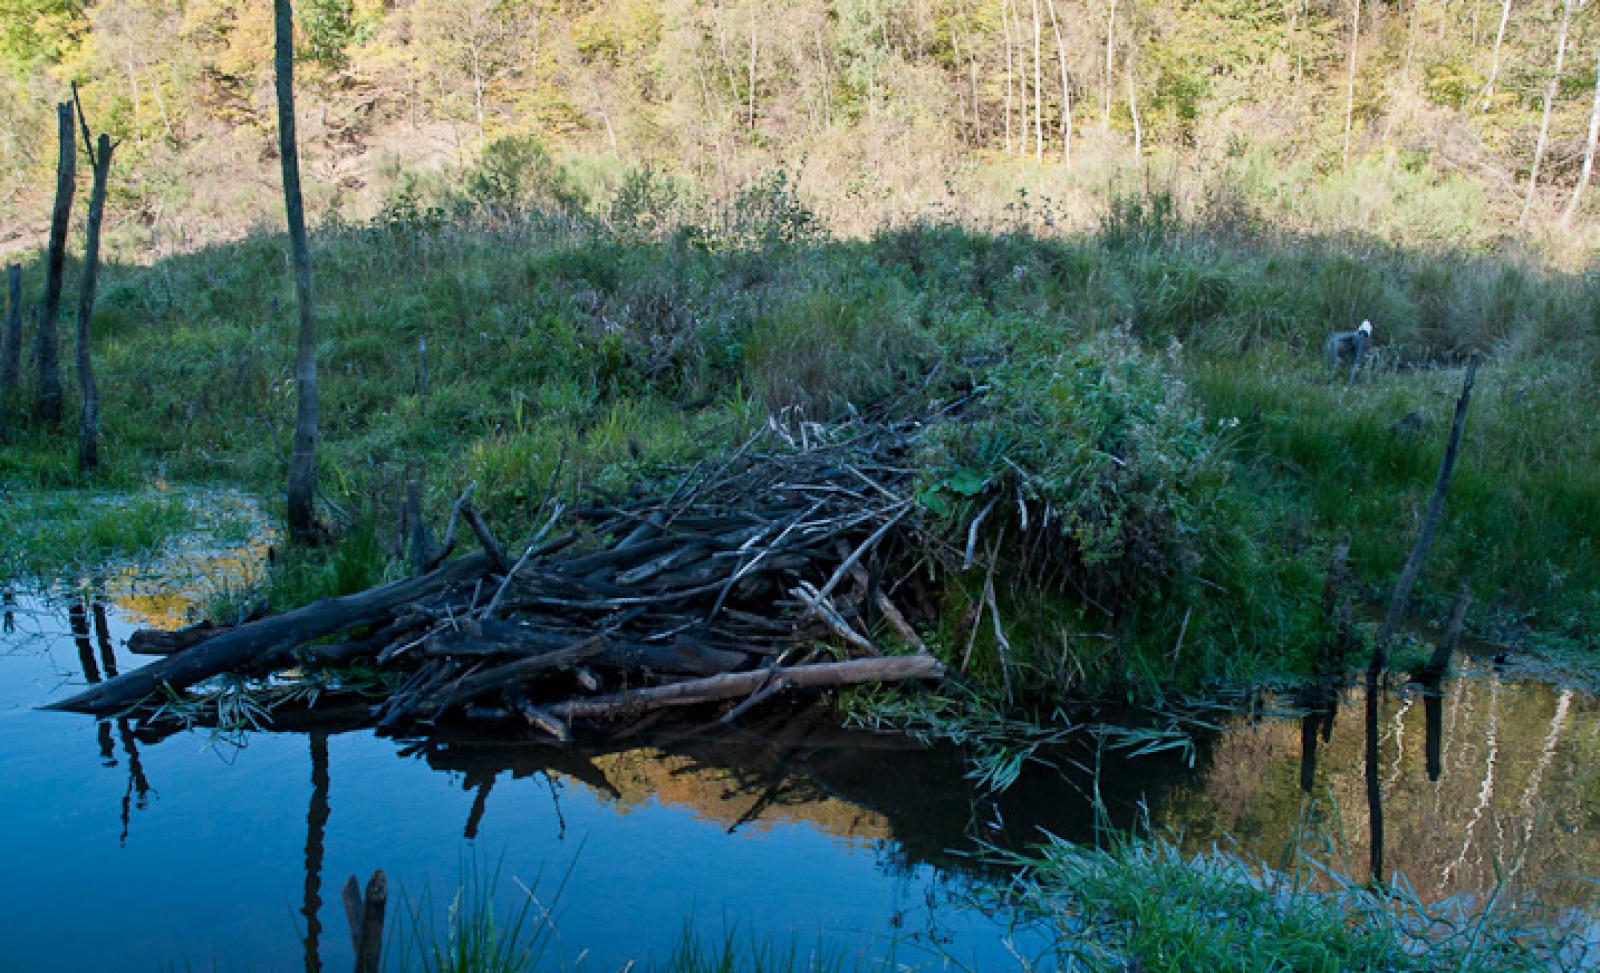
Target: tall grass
{"points": [[609, 351]]}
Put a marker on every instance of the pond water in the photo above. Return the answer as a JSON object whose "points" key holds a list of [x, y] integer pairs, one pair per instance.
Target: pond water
{"points": [[130, 851]]}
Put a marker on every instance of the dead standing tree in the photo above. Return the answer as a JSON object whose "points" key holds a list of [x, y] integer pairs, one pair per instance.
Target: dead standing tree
{"points": [[11, 343], [89, 409], [48, 403], [303, 526]]}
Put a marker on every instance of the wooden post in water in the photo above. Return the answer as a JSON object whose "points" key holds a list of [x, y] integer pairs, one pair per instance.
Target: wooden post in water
{"points": [[1430, 524], [365, 915], [47, 405]]}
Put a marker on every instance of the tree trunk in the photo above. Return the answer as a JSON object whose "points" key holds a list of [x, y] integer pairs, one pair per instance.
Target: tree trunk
{"points": [[1133, 107], [1038, 91], [1066, 88], [751, 124], [1350, 84], [249, 644], [48, 403], [1111, 24], [1588, 152], [1494, 62], [1005, 24], [303, 526], [11, 342], [89, 411], [1022, 80], [1544, 120]]}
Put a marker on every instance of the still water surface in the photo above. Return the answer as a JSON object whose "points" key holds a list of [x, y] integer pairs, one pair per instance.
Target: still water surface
{"points": [[136, 853]]}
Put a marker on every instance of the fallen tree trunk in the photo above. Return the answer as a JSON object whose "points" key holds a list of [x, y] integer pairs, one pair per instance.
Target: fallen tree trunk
{"points": [[733, 685], [238, 647]]}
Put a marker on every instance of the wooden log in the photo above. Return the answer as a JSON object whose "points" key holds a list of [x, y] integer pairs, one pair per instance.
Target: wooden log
{"points": [[734, 685], [511, 674], [240, 646]]}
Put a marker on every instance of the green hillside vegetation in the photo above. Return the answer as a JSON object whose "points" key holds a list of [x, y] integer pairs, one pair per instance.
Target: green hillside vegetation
{"points": [[1157, 382]]}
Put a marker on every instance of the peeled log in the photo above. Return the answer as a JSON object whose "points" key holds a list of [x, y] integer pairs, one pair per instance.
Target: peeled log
{"points": [[733, 685], [241, 646]]}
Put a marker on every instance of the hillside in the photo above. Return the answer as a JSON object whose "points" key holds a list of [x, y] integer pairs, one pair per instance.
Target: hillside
{"points": [[1414, 122]]}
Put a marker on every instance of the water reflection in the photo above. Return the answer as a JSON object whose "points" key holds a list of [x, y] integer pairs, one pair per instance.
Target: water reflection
{"points": [[316, 838], [1504, 791], [1503, 795]]}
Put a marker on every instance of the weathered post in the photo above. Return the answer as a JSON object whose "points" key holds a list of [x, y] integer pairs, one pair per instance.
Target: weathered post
{"points": [[365, 915], [89, 407], [48, 403]]}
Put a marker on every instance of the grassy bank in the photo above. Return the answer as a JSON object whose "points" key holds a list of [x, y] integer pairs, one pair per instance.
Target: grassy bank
{"points": [[1155, 387]]}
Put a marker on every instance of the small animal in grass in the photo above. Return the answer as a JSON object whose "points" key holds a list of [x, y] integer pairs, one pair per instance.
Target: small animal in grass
{"points": [[1347, 348], [1409, 424]]}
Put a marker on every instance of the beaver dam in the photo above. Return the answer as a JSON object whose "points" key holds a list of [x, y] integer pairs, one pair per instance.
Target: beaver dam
{"points": [[756, 576]]}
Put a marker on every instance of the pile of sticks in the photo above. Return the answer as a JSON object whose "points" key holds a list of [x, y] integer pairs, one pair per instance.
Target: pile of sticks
{"points": [[764, 572]]}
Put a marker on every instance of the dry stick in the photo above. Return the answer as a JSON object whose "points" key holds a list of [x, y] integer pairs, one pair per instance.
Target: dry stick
{"points": [[733, 685], [486, 537], [897, 621], [1002, 645], [449, 543], [855, 556], [1439, 664], [528, 554], [47, 405], [1430, 523], [771, 688]]}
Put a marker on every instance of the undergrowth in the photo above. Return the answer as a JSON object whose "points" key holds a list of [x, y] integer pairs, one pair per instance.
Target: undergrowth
{"points": [[1148, 400]]}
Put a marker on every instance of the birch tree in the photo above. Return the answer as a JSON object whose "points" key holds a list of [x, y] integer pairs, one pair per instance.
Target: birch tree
{"points": [[1494, 60], [1350, 84], [1066, 88], [1111, 27], [1544, 118], [1038, 91], [1588, 150]]}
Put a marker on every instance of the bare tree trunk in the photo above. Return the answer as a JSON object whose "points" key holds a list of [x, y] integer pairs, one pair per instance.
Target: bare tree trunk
{"points": [[1133, 106], [303, 526], [11, 345], [1022, 78], [1494, 62], [1350, 86], [1038, 91], [752, 121], [1544, 120], [1588, 152], [89, 407], [1066, 87], [1430, 525], [1111, 25], [47, 343], [1005, 23]]}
